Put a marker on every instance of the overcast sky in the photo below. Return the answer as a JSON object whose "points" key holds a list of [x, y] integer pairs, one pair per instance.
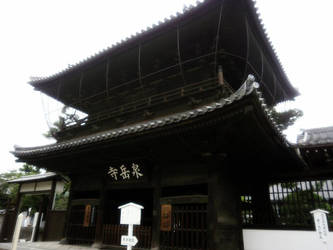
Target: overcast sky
{"points": [[41, 37]]}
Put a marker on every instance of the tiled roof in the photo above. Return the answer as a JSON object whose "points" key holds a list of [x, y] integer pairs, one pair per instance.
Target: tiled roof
{"points": [[249, 86], [187, 11], [316, 136], [36, 177]]}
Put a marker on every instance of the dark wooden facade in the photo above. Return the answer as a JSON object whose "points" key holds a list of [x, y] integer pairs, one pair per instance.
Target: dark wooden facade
{"points": [[178, 102]]}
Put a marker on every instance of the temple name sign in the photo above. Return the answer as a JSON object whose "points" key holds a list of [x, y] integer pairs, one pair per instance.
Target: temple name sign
{"points": [[125, 173], [130, 214]]}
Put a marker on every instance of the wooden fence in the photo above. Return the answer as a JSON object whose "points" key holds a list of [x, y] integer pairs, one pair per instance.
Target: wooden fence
{"points": [[7, 226], [77, 234], [112, 235]]}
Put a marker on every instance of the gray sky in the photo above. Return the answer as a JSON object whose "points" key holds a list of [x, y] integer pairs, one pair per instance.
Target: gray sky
{"points": [[41, 37]]}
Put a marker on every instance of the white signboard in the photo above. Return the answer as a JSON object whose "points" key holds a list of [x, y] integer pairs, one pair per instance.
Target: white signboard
{"points": [[128, 240], [320, 220], [130, 213]]}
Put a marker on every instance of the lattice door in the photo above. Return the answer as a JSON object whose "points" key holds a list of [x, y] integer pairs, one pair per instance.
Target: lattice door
{"points": [[189, 228]]}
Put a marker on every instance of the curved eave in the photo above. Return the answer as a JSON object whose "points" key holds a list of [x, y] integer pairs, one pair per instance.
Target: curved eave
{"points": [[247, 92], [248, 88], [269, 46]]}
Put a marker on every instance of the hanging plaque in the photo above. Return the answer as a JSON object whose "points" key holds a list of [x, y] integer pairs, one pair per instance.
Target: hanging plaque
{"points": [[87, 215], [166, 222]]}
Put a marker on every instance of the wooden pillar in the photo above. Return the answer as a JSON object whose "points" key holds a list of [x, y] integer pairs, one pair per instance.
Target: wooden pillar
{"points": [[155, 241], [98, 243], [18, 200], [224, 219], [16, 212], [68, 213], [40, 210], [49, 208]]}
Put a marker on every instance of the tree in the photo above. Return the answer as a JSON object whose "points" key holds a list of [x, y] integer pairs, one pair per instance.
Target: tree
{"points": [[61, 199], [29, 169], [8, 192], [65, 119], [286, 118]]}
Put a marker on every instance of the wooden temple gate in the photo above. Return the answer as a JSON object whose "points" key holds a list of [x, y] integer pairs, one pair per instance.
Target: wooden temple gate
{"points": [[175, 101]]}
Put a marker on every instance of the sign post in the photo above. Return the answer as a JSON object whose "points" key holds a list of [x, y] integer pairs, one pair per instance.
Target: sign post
{"points": [[321, 225], [130, 214]]}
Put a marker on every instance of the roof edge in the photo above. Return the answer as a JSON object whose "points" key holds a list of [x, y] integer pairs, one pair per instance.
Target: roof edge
{"points": [[247, 88]]}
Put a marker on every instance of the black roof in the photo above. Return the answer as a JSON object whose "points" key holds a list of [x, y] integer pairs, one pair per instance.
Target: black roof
{"points": [[188, 13], [316, 137], [250, 87]]}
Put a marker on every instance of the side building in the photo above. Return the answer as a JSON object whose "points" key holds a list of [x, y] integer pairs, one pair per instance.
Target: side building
{"points": [[316, 147], [177, 117]]}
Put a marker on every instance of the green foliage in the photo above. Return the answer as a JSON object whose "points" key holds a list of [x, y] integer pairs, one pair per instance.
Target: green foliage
{"points": [[29, 169], [286, 118], [8, 192], [63, 121], [31, 201], [295, 208], [61, 201]]}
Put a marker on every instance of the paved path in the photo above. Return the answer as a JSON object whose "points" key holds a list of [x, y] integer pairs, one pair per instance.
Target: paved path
{"points": [[43, 246]]}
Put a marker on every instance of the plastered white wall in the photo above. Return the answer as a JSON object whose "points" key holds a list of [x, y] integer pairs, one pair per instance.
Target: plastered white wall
{"points": [[27, 187], [284, 240], [44, 185]]}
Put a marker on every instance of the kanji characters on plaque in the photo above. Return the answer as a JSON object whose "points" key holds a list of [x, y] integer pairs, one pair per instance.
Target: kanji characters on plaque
{"points": [[113, 172], [125, 173], [136, 171]]}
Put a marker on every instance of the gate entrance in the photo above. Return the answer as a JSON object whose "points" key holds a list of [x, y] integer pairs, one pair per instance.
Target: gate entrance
{"points": [[189, 227], [184, 225], [112, 230]]}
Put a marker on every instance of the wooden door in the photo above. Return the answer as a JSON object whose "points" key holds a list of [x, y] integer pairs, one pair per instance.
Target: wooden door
{"points": [[188, 228]]}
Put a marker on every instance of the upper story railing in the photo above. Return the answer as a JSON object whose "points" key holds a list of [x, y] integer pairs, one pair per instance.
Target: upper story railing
{"points": [[190, 95]]}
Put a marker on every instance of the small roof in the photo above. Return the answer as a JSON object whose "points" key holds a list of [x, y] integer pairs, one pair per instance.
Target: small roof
{"points": [[316, 136], [131, 204], [35, 177], [321, 211]]}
